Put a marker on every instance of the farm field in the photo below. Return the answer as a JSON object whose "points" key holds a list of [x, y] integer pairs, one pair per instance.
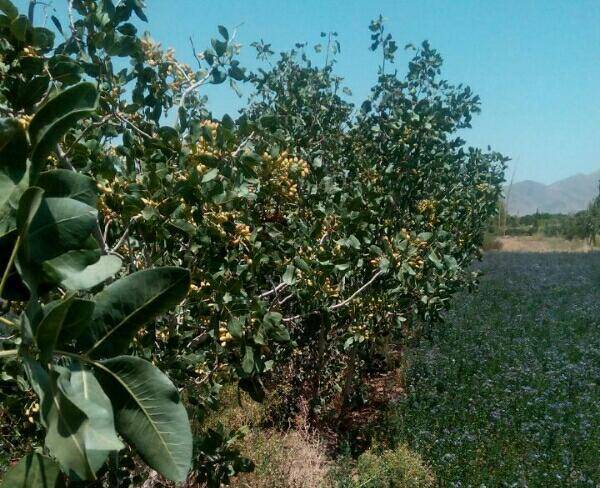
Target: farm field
{"points": [[509, 394]]}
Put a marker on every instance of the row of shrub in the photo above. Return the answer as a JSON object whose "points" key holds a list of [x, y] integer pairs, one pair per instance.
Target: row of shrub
{"points": [[155, 252], [584, 225]]}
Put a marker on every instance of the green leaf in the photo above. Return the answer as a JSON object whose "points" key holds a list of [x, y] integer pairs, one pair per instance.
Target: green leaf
{"points": [[29, 204], [43, 38], [9, 9], [13, 172], [272, 318], [248, 361], [223, 31], [78, 417], [82, 388], [289, 275], [64, 183], [123, 307], [218, 76], [137, 6], [149, 414], [210, 175], [33, 91], [237, 73], [65, 69], [58, 115], [184, 226], [77, 320], [33, 471], [81, 270], [50, 327], [19, 27], [279, 333], [301, 263], [236, 328], [60, 225], [219, 46], [433, 257], [14, 288]]}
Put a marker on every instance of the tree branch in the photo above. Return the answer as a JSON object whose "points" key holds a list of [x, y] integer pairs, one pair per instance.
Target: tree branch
{"points": [[339, 304], [276, 289]]}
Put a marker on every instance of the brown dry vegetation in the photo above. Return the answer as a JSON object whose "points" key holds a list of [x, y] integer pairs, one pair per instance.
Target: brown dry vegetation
{"points": [[542, 244]]}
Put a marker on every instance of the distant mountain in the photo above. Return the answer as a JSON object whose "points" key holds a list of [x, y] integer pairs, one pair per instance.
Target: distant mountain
{"points": [[565, 196]]}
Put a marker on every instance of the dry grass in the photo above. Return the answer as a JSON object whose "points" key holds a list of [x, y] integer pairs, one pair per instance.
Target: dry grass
{"points": [[542, 244], [293, 459]]}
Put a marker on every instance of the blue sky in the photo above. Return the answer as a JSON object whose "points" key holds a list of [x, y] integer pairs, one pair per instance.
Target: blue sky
{"points": [[535, 64]]}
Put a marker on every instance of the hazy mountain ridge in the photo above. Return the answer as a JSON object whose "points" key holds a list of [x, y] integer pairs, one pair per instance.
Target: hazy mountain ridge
{"points": [[565, 196]]}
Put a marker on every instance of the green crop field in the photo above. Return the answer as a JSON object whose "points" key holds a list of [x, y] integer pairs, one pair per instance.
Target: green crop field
{"points": [[508, 393]]}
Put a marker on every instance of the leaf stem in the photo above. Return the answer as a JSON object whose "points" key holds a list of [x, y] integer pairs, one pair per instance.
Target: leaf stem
{"points": [[10, 323], [11, 260], [8, 353]]}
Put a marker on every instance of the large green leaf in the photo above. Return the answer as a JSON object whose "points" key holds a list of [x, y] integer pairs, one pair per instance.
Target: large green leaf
{"points": [[57, 116], [149, 414], [123, 307], [9, 9], [82, 388], [81, 270], [10, 244], [13, 172], [14, 289], [34, 471], [77, 320], [50, 327], [68, 184], [78, 417], [29, 204], [60, 225]]}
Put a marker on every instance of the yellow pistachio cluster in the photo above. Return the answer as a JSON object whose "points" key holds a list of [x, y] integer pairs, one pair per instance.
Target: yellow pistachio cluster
{"points": [[24, 121], [162, 335], [31, 410], [152, 51], [196, 288], [206, 147], [179, 73], [425, 206], [416, 262], [375, 261], [242, 233], [216, 218], [224, 335], [330, 289], [368, 306], [29, 52], [484, 187], [283, 170], [360, 330], [371, 175]]}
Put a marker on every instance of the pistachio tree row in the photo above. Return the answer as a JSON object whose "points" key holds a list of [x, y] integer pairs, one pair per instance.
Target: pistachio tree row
{"points": [[317, 237]]}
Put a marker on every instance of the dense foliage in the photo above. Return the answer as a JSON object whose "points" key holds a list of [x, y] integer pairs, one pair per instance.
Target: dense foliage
{"points": [[315, 235]]}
